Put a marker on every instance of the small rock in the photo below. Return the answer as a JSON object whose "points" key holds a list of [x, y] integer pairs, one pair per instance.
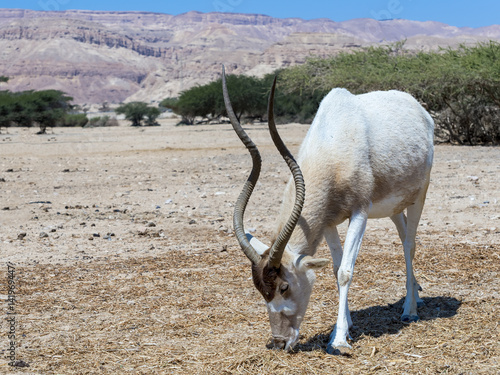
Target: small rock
{"points": [[21, 236], [21, 363], [150, 224], [168, 201], [203, 195], [192, 221], [96, 235], [2, 179], [43, 235], [220, 193]]}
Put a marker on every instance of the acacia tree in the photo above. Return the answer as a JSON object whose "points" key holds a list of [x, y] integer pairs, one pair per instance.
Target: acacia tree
{"points": [[151, 116], [137, 111], [5, 110], [50, 107], [198, 101], [44, 108], [206, 101]]}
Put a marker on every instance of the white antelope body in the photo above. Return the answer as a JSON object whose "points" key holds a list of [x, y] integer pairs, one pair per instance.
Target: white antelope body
{"points": [[364, 156]]}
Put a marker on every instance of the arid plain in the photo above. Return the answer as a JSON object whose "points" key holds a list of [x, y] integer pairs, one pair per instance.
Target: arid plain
{"points": [[125, 260]]}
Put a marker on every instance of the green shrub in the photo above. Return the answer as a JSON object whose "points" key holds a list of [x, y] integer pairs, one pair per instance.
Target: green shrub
{"points": [[460, 87], [102, 121], [75, 120]]}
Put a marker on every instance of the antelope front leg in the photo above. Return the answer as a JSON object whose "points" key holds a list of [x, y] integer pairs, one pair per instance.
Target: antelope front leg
{"points": [[333, 241], [357, 226]]}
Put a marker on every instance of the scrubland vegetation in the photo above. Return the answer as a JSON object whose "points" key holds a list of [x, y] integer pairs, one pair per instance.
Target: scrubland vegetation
{"points": [[460, 88], [45, 108], [51, 108]]}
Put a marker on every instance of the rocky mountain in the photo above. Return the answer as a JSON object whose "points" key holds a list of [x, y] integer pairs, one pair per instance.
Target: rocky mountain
{"points": [[112, 57]]}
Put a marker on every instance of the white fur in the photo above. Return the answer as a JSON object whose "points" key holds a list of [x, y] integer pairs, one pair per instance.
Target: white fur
{"points": [[282, 305]]}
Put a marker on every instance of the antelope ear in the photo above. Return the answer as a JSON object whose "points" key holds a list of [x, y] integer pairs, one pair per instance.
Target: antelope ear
{"points": [[309, 263], [259, 247]]}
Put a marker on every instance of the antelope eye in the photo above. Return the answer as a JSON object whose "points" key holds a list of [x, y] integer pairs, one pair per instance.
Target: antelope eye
{"points": [[283, 288]]}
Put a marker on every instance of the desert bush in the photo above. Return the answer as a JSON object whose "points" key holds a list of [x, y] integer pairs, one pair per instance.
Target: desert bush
{"points": [[137, 112], [151, 115], [97, 122], [74, 120]]}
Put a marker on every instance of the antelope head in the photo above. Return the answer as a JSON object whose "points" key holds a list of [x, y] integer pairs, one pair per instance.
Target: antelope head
{"points": [[283, 277]]}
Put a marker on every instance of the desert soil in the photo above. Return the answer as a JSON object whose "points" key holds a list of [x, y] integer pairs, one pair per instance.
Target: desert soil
{"points": [[125, 260]]}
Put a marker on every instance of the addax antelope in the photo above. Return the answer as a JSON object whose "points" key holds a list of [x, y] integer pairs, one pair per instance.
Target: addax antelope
{"points": [[364, 156]]}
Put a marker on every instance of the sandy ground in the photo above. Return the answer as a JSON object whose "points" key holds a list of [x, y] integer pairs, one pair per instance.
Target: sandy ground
{"points": [[125, 260]]}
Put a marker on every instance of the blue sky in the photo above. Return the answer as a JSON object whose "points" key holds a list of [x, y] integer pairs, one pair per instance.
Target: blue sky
{"points": [[457, 13]]}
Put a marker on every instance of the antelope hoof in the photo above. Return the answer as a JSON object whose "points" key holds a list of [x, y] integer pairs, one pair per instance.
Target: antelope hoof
{"points": [[338, 348], [409, 318], [337, 345], [331, 350]]}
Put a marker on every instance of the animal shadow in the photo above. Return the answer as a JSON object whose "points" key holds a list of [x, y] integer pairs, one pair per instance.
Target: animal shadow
{"points": [[376, 321]]}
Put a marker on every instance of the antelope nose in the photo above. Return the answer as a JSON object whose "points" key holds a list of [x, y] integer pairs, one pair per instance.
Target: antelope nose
{"points": [[279, 344]]}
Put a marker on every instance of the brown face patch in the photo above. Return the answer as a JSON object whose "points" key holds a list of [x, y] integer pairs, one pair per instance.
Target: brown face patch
{"points": [[265, 278]]}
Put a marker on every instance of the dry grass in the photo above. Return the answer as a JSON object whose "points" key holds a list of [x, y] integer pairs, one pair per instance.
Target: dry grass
{"points": [[169, 314]]}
